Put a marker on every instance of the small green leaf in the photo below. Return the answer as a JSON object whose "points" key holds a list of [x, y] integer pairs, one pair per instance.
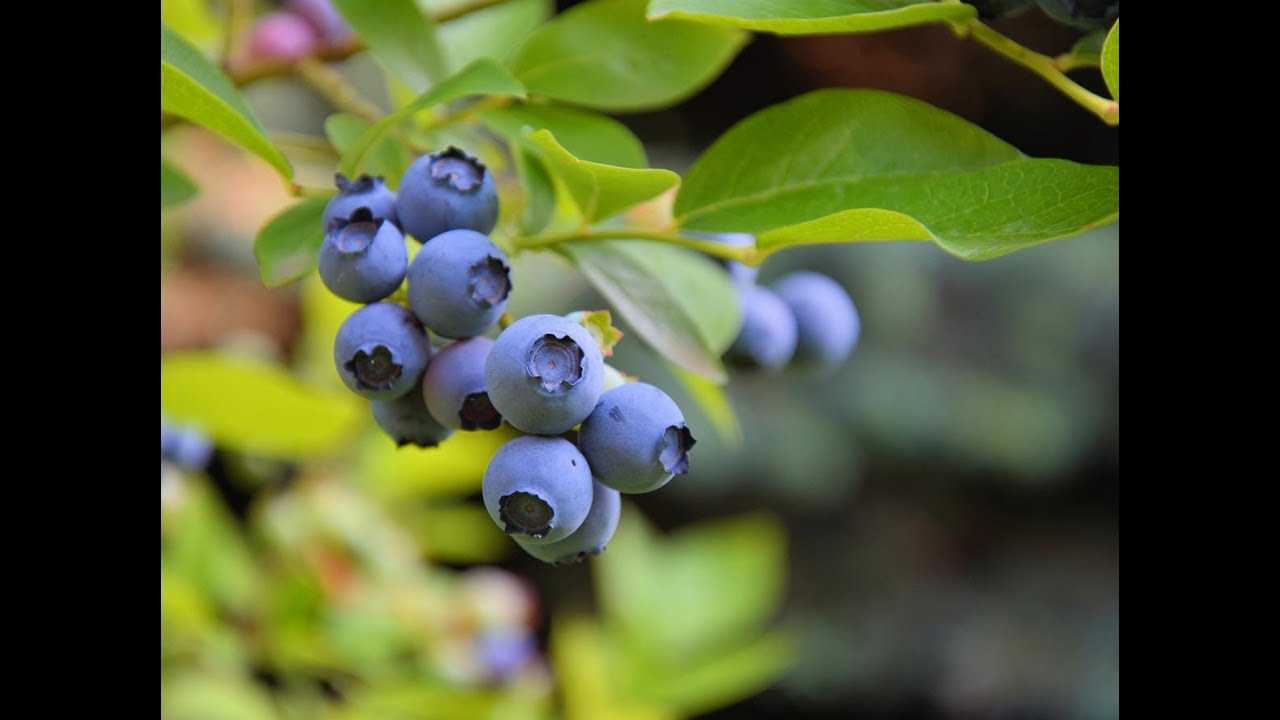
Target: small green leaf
{"points": [[1111, 61], [482, 77], [1087, 52], [492, 32], [256, 407], [286, 246], [385, 159], [588, 135], [714, 402], [600, 324], [680, 303], [812, 17], [864, 165], [539, 190], [192, 88], [605, 54], [399, 36], [194, 21], [600, 190], [175, 187]]}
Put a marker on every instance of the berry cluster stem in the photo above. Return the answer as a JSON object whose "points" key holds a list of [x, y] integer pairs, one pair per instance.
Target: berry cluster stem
{"points": [[707, 247], [1044, 66]]}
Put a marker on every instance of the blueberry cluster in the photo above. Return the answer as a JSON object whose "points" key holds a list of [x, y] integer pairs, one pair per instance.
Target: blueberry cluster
{"points": [[804, 318], [554, 491]]}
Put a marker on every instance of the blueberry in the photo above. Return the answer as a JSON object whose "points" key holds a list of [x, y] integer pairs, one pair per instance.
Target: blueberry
{"points": [[827, 323], [544, 374], [185, 447], [364, 192], [381, 351], [448, 190], [408, 422], [590, 539], [636, 439], [503, 653], [334, 31], [1082, 14], [539, 488], [767, 338], [282, 37], [459, 283], [363, 260], [454, 386]]}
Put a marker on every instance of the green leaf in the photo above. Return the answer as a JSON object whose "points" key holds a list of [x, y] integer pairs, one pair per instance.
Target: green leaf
{"points": [[812, 17], [215, 697], [539, 190], [710, 586], [604, 54], [492, 32], [1111, 61], [175, 187], [680, 303], [600, 190], [286, 246], [724, 678], [193, 20], [482, 77], [864, 165], [385, 158], [399, 36], [588, 135], [256, 407], [1087, 52], [713, 401], [192, 88]]}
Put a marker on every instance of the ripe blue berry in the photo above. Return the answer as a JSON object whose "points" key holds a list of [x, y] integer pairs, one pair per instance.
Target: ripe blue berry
{"points": [[448, 190], [186, 447], [408, 422], [590, 539], [539, 488], [363, 192], [381, 351], [282, 37], [827, 323], [363, 260], [636, 439], [544, 374], [459, 283], [768, 335], [454, 386]]}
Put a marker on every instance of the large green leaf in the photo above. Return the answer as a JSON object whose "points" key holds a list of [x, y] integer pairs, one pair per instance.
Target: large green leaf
{"points": [[705, 589], [723, 677], [492, 32], [256, 407], [482, 77], [384, 159], [588, 135], [1111, 61], [286, 246], [600, 190], [677, 301], [604, 54], [400, 37], [812, 17], [864, 165], [191, 87], [175, 187]]}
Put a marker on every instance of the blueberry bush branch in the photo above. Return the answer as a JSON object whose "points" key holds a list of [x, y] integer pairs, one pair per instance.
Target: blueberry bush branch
{"points": [[744, 255], [1047, 68]]}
